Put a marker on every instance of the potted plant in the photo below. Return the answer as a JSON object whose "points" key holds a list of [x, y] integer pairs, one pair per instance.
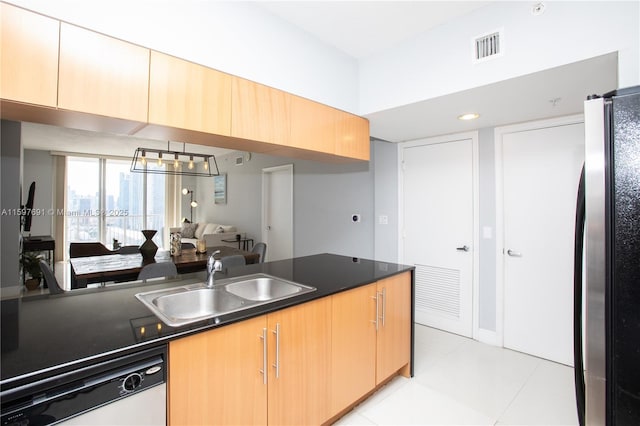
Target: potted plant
{"points": [[31, 264]]}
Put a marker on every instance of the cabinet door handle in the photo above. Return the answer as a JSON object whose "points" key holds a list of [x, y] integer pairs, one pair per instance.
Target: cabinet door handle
{"points": [[377, 311], [264, 355], [384, 304], [277, 363]]}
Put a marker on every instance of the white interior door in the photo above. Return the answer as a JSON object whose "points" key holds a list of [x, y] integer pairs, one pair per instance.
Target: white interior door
{"points": [[438, 216], [541, 169], [277, 212]]}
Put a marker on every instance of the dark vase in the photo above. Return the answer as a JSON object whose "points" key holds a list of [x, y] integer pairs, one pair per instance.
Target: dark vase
{"points": [[148, 249]]}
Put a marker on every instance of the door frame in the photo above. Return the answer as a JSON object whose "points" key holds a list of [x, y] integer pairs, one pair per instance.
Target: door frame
{"points": [[266, 171], [499, 133], [475, 318]]}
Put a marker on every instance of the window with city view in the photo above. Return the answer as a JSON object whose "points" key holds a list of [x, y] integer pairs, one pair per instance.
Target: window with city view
{"points": [[106, 202]]}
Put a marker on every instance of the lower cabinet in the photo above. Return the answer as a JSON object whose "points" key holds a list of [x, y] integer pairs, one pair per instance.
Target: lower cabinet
{"points": [[393, 344], [217, 377], [353, 343], [371, 338], [320, 357], [299, 358]]}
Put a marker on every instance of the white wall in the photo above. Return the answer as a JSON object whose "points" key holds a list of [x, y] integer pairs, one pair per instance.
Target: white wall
{"points": [[439, 62], [239, 38]]}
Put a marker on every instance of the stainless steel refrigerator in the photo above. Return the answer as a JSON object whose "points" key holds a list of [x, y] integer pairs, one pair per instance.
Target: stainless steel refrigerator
{"points": [[608, 255]]}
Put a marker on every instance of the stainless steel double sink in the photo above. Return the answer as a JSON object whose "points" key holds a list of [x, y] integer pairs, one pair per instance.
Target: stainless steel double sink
{"points": [[179, 306]]}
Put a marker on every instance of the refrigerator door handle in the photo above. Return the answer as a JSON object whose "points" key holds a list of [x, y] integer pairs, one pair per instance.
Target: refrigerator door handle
{"points": [[513, 253], [578, 355]]}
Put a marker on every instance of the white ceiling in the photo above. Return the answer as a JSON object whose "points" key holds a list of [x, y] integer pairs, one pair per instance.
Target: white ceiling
{"points": [[551, 93], [360, 28]]}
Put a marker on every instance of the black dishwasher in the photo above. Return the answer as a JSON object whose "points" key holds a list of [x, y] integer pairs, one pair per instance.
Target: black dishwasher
{"points": [[59, 397]]}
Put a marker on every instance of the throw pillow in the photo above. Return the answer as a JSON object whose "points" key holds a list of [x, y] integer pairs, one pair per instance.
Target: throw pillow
{"points": [[188, 230]]}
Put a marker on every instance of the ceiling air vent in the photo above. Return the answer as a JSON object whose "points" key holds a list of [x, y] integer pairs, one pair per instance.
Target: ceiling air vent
{"points": [[487, 46]]}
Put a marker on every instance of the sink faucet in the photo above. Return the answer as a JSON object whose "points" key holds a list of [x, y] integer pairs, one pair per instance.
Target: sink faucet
{"points": [[213, 265]]}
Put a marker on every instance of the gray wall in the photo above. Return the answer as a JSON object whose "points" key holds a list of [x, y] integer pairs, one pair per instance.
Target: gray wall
{"points": [[385, 165], [325, 197], [487, 244], [10, 172]]}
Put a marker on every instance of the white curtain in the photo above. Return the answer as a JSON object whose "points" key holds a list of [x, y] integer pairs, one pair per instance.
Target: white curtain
{"points": [[173, 204]]}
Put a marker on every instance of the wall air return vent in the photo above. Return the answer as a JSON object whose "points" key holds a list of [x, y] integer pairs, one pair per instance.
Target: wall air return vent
{"points": [[488, 46]]}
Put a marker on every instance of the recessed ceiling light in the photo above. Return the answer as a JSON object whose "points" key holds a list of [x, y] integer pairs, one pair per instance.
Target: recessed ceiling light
{"points": [[538, 9], [470, 116]]}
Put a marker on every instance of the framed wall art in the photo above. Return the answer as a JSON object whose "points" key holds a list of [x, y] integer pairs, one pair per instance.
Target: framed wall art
{"points": [[220, 189]]}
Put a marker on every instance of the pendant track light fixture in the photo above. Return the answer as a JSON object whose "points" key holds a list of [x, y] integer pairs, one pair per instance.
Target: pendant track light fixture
{"points": [[150, 160]]}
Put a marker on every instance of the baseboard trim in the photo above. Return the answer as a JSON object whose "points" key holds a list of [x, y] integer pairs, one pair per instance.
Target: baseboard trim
{"points": [[489, 337]]}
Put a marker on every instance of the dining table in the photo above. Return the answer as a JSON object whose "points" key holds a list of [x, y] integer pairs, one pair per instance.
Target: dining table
{"points": [[126, 267]]}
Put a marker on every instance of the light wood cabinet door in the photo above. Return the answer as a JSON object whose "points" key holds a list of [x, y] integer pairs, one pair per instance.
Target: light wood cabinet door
{"points": [[299, 357], [352, 136], [260, 113], [189, 96], [313, 125], [102, 75], [394, 332], [28, 56], [353, 346], [215, 378]]}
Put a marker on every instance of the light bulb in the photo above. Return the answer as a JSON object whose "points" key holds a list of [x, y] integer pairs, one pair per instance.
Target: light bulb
{"points": [[185, 191], [194, 203], [191, 163], [159, 159], [143, 159], [205, 164], [176, 162]]}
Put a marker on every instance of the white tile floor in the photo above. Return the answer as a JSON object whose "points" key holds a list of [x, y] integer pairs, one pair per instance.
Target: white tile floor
{"points": [[459, 381]]}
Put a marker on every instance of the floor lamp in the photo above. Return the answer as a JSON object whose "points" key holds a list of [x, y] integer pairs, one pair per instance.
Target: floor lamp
{"points": [[193, 203]]}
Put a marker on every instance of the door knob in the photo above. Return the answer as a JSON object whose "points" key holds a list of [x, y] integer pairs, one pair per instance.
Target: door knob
{"points": [[268, 228], [463, 248], [514, 253]]}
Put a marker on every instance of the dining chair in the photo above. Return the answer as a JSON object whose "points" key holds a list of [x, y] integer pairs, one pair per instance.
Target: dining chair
{"points": [[261, 249], [50, 279], [232, 261], [88, 249], [158, 270], [128, 250]]}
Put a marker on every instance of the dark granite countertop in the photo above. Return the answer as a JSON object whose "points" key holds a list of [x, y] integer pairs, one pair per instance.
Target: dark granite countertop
{"points": [[51, 334]]}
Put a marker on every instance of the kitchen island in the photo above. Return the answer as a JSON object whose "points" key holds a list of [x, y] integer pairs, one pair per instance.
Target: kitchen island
{"points": [[53, 334]]}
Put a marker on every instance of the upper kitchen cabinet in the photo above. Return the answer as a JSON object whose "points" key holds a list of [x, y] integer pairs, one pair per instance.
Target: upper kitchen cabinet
{"points": [[103, 76], [28, 57], [327, 131], [313, 126], [352, 136], [260, 113], [189, 96]]}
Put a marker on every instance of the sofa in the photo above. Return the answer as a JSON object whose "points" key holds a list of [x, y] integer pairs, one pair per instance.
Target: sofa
{"points": [[211, 233]]}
